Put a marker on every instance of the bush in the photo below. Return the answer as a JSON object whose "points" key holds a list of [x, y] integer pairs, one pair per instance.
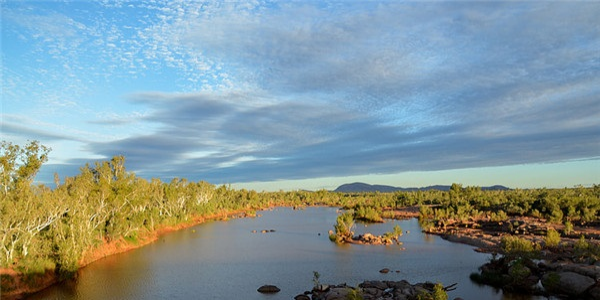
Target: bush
{"points": [[568, 227], [552, 238], [515, 247], [343, 227], [368, 214]]}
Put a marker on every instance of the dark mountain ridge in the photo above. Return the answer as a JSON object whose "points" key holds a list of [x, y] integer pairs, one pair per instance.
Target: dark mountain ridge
{"points": [[360, 187]]}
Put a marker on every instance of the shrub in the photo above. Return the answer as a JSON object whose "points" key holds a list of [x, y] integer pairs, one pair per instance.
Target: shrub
{"points": [[552, 238], [499, 216], [581, 244], [343, 227], [514, 247], [367, 213], [568, 227]]}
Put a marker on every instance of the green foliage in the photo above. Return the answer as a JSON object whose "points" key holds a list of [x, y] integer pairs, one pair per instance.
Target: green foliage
{"points": [[343, 227], [43, 228], [315, 279], [518, 271], [498, 216], [586, 251], [438, 293], [551, 282], [367, 213], [516, 247], [394, 234], [552, 238], [568, 227], [581, 244], [354, 294]]}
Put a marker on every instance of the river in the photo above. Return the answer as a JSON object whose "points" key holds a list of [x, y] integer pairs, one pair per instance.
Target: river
{"points": [[226, 260]]}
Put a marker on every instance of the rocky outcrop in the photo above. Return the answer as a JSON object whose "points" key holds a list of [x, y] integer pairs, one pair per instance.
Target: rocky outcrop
{"points": [[560, 279], [568, 283], [368, 239], [393, 290]]}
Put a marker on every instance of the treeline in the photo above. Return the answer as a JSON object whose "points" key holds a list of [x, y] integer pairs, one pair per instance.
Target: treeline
{"points": [[568, 206], [45, 228]]}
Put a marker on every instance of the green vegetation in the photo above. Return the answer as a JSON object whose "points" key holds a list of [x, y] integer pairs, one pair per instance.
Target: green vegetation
{"points": [[439, 293], [516, 247], [552, 238], [354, 294], [343, 228], [43, 228], [571, 206], [368, 214], [315, 279], [394, 235]]}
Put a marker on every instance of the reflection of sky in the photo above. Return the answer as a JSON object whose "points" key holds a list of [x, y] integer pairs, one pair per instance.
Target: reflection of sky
{"points": [[225, 260]]}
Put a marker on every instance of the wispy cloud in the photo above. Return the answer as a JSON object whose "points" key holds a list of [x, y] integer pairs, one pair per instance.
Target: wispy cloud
{"points": [[235, 92]]}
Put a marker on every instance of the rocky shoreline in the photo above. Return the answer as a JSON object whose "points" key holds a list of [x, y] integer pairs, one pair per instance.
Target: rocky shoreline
{"points": [[371, 290], [557, 271]]}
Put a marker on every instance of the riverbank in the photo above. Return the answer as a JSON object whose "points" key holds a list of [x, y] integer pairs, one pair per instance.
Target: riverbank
{"points": [[537, 257], [17, 285]]}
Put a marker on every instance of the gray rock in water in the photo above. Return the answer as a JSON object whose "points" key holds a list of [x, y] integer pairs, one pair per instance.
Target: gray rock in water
{"points": [[301, 297], [268, 289], [570, 283]]}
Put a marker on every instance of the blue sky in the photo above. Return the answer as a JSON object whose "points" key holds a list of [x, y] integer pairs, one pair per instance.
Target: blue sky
{"points": [[309, 94]]}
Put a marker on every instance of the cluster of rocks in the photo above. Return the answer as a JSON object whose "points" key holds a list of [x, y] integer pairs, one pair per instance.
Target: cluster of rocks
{"points": [[370, 239], [393, 290], [559, 278], [264, 231]]}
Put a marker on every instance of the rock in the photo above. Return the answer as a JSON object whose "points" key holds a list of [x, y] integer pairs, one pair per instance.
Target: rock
{"points": [[321, 288], [569, 283], [380, 285], [384, 270], [337, 293], [301, 297], [586, 270], [268, 289], [594, 293]]}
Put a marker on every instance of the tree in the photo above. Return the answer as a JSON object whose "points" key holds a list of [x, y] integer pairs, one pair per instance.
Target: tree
{"points": [[20, 165]]}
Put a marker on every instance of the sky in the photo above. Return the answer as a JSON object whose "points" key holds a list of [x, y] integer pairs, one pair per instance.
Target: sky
{"points": [[272, 95]]}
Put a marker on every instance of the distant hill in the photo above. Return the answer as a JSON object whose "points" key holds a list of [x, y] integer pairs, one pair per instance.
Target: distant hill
{"points": [[359, 187]]}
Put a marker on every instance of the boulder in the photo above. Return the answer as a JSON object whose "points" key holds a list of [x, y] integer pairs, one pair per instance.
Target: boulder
{"points": [[594, 293], [268, 289], [569, 283], [337, 293], [302, 297], [384, 270]]}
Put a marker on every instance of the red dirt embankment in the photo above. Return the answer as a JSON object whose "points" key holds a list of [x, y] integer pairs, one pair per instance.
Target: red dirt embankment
{"points": [[20, 287]]}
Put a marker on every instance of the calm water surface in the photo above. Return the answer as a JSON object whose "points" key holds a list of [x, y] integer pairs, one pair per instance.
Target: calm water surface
{"points": [[225, 260]]}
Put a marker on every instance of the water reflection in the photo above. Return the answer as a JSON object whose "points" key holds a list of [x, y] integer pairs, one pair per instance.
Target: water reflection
{"points": [[225, 260]]}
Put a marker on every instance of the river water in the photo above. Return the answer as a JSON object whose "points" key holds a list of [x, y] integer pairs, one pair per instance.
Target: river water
{"points": [[225, 260]]}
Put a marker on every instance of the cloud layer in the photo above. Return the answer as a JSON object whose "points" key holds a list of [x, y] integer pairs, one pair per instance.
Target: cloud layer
{"points": [[306, 90]]}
